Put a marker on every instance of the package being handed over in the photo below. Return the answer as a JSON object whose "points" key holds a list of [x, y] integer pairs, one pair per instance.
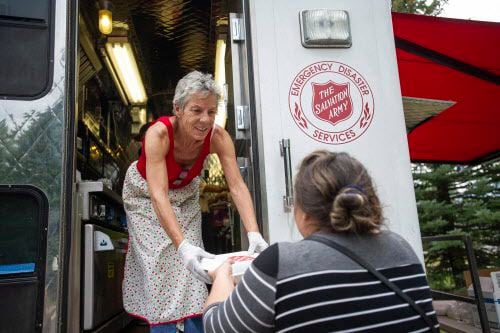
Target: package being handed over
{"points": [[242, 261]]}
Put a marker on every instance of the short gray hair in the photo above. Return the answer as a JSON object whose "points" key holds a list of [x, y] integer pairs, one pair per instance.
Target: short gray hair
{"points": [[192, 83]]}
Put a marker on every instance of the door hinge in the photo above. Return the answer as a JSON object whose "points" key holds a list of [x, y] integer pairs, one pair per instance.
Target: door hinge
{"points": [[242, 118], [237, 29]]}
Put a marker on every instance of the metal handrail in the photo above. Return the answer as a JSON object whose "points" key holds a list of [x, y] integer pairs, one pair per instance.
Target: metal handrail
{"points": [[478, 299], [436, 294]]}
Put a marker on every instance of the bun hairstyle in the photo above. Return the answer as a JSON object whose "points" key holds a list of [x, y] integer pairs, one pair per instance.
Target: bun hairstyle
{"points": [[337, 191]]}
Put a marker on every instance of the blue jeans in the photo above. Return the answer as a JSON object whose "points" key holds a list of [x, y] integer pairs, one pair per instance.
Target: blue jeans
{"points": [[191, 325]]}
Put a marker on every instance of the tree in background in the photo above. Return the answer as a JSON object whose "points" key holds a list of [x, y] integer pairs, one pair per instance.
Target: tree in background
{"points": [[457, 200], [453, 200], [425, 7]]}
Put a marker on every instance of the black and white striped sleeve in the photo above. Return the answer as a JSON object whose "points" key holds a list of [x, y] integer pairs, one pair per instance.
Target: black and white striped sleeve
{"points": [[250, 307]]}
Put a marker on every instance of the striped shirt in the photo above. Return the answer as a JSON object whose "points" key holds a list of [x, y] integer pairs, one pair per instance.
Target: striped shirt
{"points": [[310, 287]]}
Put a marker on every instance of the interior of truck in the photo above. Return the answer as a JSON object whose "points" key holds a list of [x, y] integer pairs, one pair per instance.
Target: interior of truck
{"points": [[163, 40]]}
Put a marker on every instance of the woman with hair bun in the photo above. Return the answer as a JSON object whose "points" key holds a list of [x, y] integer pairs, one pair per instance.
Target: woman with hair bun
{"points": [[346, 275]]}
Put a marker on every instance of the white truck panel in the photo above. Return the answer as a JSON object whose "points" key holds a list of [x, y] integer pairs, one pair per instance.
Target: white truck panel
{"points": [[279, 57]]}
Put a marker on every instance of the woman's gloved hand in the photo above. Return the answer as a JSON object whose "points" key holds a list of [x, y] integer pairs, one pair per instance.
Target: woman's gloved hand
{"points": [[256, 242], [191, 256]]}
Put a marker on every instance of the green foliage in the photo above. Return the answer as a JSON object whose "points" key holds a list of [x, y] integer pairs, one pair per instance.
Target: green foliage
{"points": [[457, 200], [425, 7], [442, 281]]}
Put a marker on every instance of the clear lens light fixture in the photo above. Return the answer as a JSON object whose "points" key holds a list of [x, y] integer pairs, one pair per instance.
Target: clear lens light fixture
{"points": [[124, 63], [325, 28]]}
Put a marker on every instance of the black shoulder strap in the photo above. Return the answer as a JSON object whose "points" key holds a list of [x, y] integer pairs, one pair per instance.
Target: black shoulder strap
{"points": [[342, 249]]}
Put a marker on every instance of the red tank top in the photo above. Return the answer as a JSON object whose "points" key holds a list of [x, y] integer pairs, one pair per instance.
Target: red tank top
{"points": [[177, 176]]}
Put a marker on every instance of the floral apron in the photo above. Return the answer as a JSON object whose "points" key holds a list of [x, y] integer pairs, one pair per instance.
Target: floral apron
{"points": [[156, 286]]}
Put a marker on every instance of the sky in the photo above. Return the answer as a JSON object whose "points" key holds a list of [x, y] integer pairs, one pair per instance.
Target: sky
{"points": [[480, 10]]}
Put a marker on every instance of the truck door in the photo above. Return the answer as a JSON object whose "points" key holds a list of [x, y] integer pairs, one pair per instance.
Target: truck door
{"points": [[327, 79], [36, 162]]}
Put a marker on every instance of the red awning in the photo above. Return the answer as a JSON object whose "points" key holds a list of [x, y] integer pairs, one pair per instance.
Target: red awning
{"points": [[451, 60]]}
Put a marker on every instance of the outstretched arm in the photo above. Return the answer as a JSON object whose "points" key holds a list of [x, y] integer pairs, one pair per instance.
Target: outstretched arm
{"points": [[223, 146]]}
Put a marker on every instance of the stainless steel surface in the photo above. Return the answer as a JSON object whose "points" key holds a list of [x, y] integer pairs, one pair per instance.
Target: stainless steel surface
{"points": [[87, 187], [75, 266], [171, 37], [256, 117], [244, 165], [246, 172], [285, 152], [90, 63], [103, 275], [88, 278], [242, 114], [240, 79], [31, 150]]}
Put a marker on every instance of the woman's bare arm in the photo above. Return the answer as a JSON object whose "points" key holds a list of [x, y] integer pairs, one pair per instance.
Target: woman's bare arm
{"points": [[157, 146], [223, 146]]}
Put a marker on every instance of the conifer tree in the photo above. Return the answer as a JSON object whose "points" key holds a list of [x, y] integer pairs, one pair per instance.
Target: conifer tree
{"points": [[456, 200]]}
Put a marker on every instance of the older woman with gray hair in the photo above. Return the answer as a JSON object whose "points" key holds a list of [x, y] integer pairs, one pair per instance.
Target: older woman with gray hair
{"points": [[164, 283]]}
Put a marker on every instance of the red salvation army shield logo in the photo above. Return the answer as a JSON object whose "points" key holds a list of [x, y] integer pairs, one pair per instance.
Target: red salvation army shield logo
{"points": [[331, 102]]}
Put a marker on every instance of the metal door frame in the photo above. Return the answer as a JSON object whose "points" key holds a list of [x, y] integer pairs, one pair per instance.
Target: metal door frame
{"points": [[244, 96]]}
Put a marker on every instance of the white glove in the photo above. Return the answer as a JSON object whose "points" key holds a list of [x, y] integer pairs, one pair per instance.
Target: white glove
{"points": [[191, 256], [256, 242]]}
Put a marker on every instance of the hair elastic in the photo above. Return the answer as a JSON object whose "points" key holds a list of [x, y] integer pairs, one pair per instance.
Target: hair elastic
{"points": [[355, 187]]}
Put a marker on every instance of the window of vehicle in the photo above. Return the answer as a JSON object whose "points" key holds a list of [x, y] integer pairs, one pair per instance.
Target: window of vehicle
{"points": [[23, 229], [26, 60]]}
